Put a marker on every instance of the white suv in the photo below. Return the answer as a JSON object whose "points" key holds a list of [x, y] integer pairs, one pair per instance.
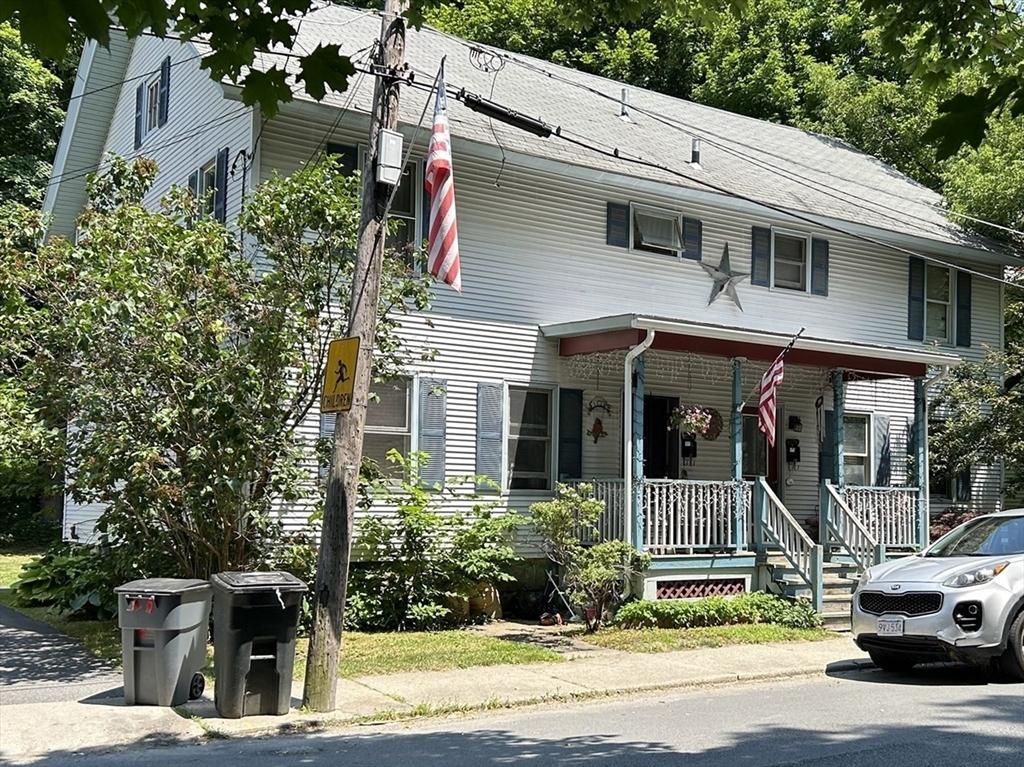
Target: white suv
{"points": [[960, 599]]}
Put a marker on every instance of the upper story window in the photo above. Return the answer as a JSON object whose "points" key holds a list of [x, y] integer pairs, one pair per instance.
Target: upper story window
{"points": [[208, 184], [529, 438], [152, 106], [938, 303], [403, 230], [656, 231], [789, 261], [207, 187], [152, 102]]}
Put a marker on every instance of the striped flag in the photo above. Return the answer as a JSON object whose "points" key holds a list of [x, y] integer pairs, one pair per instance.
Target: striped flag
{"points": [[443, 237], [770, 381]]}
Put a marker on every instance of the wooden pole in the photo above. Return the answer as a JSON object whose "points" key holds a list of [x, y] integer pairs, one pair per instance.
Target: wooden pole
{"points": [[321, 683]]}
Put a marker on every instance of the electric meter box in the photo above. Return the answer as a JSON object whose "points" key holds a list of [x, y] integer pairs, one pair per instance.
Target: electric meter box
{"points": [[389, 157]]}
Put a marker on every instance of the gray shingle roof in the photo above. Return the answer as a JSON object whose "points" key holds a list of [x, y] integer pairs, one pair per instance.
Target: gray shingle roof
{"points": [[771, 163]]}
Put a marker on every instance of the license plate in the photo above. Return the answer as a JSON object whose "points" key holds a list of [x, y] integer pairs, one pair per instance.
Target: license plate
{"points": [[890, 627]]}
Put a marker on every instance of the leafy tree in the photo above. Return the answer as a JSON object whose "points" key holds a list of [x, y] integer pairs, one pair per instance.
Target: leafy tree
{"points": [[31, 118], [183, 369]]}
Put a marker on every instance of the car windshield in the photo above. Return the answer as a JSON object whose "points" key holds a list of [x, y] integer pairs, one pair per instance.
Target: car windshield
{"points": [[985, 537]]}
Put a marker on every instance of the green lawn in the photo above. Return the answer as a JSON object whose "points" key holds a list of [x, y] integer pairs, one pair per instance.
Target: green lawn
{"points": [[11, 562], [393, 653], [666, 640]]}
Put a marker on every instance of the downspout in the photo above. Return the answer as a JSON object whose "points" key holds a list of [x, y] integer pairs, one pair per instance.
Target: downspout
{"points": [[925, 474], [627, 432]]}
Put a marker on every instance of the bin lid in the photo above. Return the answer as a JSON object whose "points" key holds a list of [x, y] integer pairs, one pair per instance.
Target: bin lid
{"points": [[261, 581], [162, 586]]}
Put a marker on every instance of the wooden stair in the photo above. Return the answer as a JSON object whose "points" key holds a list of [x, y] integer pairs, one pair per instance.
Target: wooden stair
{"points": [[840, 583]]}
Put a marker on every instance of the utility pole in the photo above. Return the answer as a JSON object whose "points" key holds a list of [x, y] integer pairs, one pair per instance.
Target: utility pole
{"points": [[336, 536]]}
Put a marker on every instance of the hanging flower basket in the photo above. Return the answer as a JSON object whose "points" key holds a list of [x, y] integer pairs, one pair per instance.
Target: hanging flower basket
{"points": [[697, 419]]}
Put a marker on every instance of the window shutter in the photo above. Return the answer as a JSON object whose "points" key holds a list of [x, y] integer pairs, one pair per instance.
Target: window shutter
{"points": [[327, 421], [760, 255], [819, 267], [570, 434], [220, 196], [348, 156], [617, 225], [165, 90], [963, 309], [826, 455], [962, 486], [193, 183], [140, 103], [490, 432], [693, 230], [433, 410], [882, 449], [915, 300]]}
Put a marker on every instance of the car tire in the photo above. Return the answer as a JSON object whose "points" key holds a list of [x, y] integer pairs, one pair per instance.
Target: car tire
{"points": [[1010, 665], [890, 661]]}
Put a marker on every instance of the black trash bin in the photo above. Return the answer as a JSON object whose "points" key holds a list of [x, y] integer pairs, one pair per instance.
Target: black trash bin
{"points": [[163, 639], [255, 617]]}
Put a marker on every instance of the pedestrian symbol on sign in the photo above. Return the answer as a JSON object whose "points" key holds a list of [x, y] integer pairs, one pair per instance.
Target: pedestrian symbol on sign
{"points": [[339, 375]]}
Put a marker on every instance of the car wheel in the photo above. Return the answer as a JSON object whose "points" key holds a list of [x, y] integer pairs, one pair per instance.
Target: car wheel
{"points": [[890, 661], [1010, 665]]}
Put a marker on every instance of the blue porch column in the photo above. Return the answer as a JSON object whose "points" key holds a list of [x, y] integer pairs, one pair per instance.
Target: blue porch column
{"points": [[839, 411], [739, 531], [638, 452], [921, 459]]}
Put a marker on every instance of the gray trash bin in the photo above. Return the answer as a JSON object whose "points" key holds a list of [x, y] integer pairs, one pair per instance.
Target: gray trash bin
{"points": [[255, 618], [164, 626]]}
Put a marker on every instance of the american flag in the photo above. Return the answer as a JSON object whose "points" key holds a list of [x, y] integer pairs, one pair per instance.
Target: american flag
{"points": [[770, 381], [443, 238]]}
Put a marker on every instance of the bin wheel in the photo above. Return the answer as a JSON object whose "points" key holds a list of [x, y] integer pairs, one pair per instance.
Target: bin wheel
{"points": [[195, 689]]}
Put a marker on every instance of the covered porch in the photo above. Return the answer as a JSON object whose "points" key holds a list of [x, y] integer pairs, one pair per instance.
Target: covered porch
{"points": [[836, 484]]}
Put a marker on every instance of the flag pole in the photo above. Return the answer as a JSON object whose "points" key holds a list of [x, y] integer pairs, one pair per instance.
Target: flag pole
{"points": [[783, 353]]}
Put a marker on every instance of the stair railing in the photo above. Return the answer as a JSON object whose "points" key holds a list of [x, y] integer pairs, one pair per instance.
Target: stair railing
{"points": [[844, 528], [774, 524]]}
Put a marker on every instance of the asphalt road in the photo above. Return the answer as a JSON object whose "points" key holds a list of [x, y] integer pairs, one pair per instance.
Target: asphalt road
{"points": [[935, 717]]}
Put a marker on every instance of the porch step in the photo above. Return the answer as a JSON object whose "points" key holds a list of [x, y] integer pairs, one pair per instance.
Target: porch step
{"points": [[837, 620]]}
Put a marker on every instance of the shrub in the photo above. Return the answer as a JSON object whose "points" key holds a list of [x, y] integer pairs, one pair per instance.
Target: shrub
{"points": [[598, 576], [77, 580], [718, 611]]}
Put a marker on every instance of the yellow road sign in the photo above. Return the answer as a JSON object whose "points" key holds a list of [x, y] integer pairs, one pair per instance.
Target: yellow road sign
{"points": [[340, 375]]}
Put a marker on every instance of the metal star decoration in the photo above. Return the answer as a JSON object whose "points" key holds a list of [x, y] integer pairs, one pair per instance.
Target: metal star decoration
{"points": [[725, 279]]}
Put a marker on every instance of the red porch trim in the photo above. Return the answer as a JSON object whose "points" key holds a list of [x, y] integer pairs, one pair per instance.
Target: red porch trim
{"points": [[614, 340]]}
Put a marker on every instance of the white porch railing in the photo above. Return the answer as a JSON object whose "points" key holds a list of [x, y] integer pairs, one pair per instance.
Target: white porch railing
{"points": [[774, 523], [889, 514], [611, 525], [845, 528], [691, 515]]}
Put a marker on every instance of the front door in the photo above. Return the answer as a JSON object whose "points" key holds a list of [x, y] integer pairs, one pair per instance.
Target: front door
{"points": [[661, 444], [759, 459]]}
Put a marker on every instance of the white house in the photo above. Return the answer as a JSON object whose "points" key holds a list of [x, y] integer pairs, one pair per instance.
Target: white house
{"points": [[586, 318]]}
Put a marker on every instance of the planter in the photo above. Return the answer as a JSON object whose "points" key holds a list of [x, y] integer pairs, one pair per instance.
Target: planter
{"points": [[485, 602]]}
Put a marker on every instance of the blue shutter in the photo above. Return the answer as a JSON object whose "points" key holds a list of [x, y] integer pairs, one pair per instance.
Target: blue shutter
{"points": [[193, 183], [140, 108], [617, 225], [692, 238], [915, 299], [220, 195], [165, 91], [432, 406], [760, 255], [963, 309], [570, 434], [826, 454], [819, 267], [882, 449], [962, 486], [490, 432], [348, 156]]}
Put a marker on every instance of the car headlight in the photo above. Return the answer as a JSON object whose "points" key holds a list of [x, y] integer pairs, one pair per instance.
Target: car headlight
{"points": [[976, 576]]}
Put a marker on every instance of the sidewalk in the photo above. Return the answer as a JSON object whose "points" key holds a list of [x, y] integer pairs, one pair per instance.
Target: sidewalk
{"points": [[30, 729]]}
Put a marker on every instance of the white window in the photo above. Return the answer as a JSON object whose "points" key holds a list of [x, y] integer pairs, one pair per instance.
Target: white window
{"points": [[388, 424], [402, 215], [857, 449], [152, 106], [938, 303], [790, 260], [656, 231], [529, 438], [207, 187]]}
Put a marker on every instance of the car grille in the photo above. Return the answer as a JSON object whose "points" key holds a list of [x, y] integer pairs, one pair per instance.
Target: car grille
{"points": [[911, 603]]}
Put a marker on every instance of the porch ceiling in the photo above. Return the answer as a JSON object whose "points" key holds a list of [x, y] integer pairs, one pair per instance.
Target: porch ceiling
{"points": [[622, 331]]}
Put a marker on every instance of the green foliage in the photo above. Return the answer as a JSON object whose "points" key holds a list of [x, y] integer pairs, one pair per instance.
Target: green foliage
{"points": [[562, 521], [78, 581], [32, 115], [718, 611], [191, 366], [599, 575], [418, 564]]}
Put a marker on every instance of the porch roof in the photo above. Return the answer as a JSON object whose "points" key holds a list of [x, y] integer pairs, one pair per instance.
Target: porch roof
{"points": [[622, 331]]}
